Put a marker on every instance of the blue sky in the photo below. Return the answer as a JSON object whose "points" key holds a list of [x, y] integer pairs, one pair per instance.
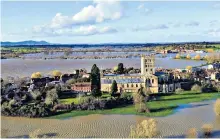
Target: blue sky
{"points": [[110, 21]]}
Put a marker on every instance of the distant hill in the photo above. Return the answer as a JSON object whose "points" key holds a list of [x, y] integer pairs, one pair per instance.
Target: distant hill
{"points": [[118, 45], [29, 42]]}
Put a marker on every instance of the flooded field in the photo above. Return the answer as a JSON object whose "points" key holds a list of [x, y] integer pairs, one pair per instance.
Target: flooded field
{"points": [[101, 54], [20, 67], [176, 125]]}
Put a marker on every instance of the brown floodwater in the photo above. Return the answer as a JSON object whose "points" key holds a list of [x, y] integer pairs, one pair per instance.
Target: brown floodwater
{"points": [[114, 126], [20, 67]]}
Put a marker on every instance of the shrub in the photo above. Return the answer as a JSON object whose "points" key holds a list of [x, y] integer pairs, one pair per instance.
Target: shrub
{"points": [[192, 133], [179, 90], [71, 81], [96, 92], [207, 130], [36, 75], [217, 87], [56, 73], [137, 98], [217, 107], [36, 94], [91, 103], [36, 134], [114, 88], [146, 129], [188, 56], [124, 95], [197, 57], [189, 68], [48, 101], [196, 88], [84, 99], [140, 97], [177, 56], [208, 87], [11, 103], [141, 107]]}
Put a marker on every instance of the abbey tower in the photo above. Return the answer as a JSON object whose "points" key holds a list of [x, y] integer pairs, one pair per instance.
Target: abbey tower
{"points": [[147, 65]]}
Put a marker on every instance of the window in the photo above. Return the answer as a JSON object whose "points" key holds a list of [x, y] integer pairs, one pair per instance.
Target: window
{"points": [[127, 85], [122, 85], [151, 69], [146, 70], [152, 80], [136, 85], [132, 85]]}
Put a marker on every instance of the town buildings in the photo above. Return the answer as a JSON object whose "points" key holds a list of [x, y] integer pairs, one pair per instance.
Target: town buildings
{"points": [[157, 82], [81, 87]]}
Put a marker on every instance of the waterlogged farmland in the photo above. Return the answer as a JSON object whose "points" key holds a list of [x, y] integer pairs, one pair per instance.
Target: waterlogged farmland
{"points": [[20, 67]]}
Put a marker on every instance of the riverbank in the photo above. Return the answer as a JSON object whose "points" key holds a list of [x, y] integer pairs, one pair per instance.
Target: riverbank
{"points": [[107, 126], [164, 106]]}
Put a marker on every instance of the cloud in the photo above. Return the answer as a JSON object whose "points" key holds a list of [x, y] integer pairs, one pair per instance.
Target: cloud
{"points": [[150, 27], [186, 24], [80, 31], [98, 12], [214, 32], [192, 24], [82, 23], [216, 5], [141, 8], [176, 25], [213, 23]]}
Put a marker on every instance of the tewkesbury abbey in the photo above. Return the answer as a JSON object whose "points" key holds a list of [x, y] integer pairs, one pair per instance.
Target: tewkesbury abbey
{"points": [[158, 82], [110, 69]]}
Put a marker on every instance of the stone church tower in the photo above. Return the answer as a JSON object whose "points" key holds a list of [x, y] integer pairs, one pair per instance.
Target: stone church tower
{"points": [[147, 65]]}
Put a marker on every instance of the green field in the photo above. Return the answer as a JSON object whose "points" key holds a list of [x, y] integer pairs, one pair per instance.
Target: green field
{"points": [[162, 107], [217, 47], [22, 49]]}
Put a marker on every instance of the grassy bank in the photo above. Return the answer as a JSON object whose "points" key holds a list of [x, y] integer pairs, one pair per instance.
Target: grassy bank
{"points": [[164, 106]]}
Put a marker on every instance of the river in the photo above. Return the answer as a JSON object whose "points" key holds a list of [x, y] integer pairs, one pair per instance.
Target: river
{"points": [[25, 67]]}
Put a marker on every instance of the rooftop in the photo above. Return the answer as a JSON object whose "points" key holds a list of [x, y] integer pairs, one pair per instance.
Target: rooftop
{"points": [[160, 73], [137, 74], [123, 81]]}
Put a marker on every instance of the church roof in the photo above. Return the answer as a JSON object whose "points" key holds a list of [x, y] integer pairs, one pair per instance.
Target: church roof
{"points": [[160, 73], [123, 81], [121, 75]]}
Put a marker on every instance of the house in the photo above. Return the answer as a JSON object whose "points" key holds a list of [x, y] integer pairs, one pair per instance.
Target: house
{"points": [[195, 69], [215, 76], [210, 66], [200, 51], [66, 77], [76, 72], [85, 75], [82, 87], [215, 66]]}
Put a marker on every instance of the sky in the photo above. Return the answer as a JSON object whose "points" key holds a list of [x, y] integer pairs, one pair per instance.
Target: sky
{"points": [[80, 22]]}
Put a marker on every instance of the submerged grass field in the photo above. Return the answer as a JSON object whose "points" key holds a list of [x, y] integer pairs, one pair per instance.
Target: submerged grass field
{"points": [[164, 106]]}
